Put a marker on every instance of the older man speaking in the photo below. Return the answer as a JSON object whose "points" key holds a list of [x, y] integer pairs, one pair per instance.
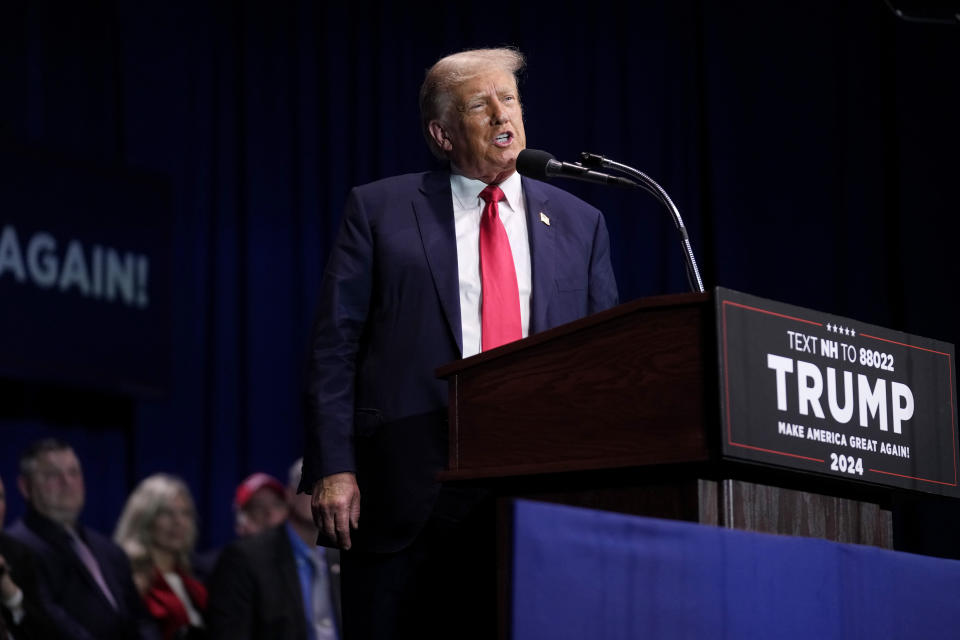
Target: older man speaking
{"points": [[428, 268]]}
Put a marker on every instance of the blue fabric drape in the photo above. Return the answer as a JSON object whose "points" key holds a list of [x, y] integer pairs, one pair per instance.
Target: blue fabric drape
{"points": [[579, 573]]}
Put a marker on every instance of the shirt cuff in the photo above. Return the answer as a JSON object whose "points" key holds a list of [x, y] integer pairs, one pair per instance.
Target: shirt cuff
{"points": [[15, 605]]}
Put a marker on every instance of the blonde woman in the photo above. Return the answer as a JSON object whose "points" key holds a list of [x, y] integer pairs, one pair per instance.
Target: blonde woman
{"points": [[157, 530]]}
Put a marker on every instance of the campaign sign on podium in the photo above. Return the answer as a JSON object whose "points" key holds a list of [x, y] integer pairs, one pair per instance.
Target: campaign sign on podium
{"points": [[831, 395]]}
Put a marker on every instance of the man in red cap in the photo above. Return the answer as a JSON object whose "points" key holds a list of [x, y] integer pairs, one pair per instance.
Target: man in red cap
{"points": [[276, 584], [260, 503]]}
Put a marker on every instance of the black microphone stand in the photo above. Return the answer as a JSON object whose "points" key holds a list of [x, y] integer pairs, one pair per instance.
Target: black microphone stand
{"points": [[594, 161]]}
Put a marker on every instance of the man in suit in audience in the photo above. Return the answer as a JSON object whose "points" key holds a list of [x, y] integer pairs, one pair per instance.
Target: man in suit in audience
{"points": [[259, 503], [21, 612], [84, 578], [276, 584]]}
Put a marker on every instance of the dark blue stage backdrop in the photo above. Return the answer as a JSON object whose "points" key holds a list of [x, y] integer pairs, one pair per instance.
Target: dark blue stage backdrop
{"points": [[812, 150]]}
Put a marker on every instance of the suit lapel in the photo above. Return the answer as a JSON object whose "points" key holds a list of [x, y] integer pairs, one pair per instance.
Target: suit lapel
{"points": [[106, 570], [88, 578], [61, 545], [433, 208], [542, 253], [286, 564]]}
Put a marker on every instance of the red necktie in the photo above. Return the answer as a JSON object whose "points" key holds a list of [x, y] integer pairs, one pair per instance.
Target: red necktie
{"points": [[500, 303]]}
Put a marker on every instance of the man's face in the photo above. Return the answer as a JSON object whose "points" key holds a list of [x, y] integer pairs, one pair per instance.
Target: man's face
{"points": [[263, 510], [55, 486], [484, 133]]}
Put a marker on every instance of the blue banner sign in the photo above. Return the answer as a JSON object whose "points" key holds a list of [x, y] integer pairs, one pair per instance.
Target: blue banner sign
{"points": [[84, 275]]}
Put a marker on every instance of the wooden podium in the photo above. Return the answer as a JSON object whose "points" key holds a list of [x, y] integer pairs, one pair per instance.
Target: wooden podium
{"points": [[621, 411]]}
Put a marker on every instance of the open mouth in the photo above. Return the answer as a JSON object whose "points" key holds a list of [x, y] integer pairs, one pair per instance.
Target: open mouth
{"points": [[504, 139]]}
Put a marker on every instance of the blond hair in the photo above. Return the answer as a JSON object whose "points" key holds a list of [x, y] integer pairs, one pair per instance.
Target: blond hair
{"points": [[134, 531], [436, 92]]}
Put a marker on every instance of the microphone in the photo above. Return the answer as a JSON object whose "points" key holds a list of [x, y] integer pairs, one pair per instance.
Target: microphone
{"points": [[648, 184], [543, 166]]}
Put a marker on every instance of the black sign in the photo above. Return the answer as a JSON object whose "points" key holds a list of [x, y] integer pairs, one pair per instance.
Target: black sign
{"points": [[827, 394], [84, 274]]}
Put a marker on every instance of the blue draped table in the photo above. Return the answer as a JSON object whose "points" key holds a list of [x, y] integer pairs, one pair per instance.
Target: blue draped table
{"points": [[594, 575]]}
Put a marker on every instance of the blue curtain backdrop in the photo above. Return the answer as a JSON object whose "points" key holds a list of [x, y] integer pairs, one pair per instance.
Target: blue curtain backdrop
{"points": [[812, 149]]}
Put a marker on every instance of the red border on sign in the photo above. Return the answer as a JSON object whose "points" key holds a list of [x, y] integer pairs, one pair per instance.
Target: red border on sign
{"points": [[726, 378], [726, 389], [953, 413]]}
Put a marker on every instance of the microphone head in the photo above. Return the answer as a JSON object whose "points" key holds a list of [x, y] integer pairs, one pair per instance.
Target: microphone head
{"points": [[533, 163]]}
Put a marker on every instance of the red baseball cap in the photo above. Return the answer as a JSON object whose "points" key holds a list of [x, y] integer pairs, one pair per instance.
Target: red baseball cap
{"points": [[253, 483]]}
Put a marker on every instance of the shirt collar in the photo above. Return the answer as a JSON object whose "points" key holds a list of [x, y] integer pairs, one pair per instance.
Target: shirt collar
{"points": [[46, 527], [300, 547], [466, 190]]}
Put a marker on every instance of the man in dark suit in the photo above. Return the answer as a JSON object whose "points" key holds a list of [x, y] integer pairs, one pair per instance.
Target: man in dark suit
{"points": [[276, 584], [84, 578], [21, 612], [428, 268]]}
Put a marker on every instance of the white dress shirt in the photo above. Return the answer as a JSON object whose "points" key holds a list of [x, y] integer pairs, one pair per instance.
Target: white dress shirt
{"points": [[177, 586], [467, 209]]}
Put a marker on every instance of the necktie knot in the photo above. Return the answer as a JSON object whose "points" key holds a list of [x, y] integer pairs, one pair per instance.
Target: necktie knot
{"points": [[492, 193]]}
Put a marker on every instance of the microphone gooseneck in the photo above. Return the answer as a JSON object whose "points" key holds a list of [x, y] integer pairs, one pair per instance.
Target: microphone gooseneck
{"points": [[594, 160], [542, 165]]}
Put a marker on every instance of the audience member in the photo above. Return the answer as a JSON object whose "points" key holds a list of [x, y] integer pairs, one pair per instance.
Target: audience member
{"points": [[158, 531], [84, 578], [260, 503], [277, 585], [21, 612]]}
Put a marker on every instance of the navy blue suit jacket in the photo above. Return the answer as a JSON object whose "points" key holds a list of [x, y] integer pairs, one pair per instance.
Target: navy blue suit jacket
{"points": [[72, 599], [389, 316]]}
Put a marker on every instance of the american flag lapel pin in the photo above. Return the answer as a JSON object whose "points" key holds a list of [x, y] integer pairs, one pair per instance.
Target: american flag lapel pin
{"points": [[544, 219]]}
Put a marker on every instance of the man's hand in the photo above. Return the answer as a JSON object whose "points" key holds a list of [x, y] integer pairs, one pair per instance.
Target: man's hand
{"points": [[336, 507], [8, 588]]}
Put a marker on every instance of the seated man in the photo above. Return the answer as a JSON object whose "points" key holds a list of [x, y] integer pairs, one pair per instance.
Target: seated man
{"points": [[277, 584], [84, 578], [260, 503]]}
